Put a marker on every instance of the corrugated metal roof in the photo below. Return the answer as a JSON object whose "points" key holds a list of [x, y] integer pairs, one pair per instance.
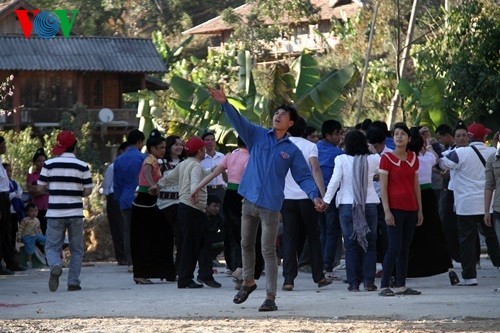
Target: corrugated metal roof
{"points": [[90, 54]]}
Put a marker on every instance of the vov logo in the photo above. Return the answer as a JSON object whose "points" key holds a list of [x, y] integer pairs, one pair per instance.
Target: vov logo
{"points": [[46, 24]]}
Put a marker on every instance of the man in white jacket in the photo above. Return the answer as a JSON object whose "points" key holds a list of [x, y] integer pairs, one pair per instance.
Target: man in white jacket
{"points": [[469, 179]]}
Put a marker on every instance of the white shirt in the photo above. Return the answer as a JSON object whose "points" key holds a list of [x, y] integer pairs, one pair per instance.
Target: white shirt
{"points": [[469, 177], [342, 176], [107, 183], [292, 189], [209, 162], [164, 203], [4, 179], [376, 184], [452, 172], [426, 162]]}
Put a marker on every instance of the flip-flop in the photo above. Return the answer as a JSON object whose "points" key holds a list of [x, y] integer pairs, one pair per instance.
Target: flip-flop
{"points": [[268, 305], [408, 292], [243, 293]]}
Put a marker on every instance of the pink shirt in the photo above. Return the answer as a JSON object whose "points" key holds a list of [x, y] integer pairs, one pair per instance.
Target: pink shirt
{"points": [[41, 203], [235, 163]]}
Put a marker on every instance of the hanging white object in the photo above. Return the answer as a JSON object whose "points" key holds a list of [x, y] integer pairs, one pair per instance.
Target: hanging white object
{"points": [[106, 115]]}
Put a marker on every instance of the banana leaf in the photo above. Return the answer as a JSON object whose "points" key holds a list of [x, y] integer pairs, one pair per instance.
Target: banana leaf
{"points": [[308, 74], [324, 94]]}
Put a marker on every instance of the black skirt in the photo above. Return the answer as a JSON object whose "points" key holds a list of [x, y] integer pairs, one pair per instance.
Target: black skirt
{"points": [[428, 252], [151, 256]]}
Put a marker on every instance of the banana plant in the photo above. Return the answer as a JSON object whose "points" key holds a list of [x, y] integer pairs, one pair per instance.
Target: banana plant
{"points": [[429, 104], [316, 98], [148, 111], [168, 54]]}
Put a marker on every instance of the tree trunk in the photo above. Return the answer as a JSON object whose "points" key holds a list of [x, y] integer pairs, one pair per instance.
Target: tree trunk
{"points": [[367, 62], [395, 102]]}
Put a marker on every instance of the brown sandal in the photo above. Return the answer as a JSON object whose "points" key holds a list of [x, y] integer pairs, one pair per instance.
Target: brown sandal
{"points": [[243, 293], [268, 305]]}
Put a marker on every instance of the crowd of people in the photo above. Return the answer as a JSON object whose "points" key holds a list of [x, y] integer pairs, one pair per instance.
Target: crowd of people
{"points": [[412, 202]]}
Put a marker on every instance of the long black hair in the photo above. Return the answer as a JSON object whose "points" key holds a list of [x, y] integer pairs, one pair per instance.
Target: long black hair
{"points": [[39, 152], [416, 141], [171, 140], [355, 143]]}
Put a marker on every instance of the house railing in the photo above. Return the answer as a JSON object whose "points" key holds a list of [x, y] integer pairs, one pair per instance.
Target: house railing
{"points": [[296, 44], [123, 118]]}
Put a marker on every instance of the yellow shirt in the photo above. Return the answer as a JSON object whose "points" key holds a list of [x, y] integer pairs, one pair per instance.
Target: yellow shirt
{"points": [[29, 227]]}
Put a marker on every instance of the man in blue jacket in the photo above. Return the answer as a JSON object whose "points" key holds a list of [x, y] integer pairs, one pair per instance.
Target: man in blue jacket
{"points": [[272, 154], [126, 170]]}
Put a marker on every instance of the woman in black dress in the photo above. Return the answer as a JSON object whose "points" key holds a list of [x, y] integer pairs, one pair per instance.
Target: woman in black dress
{"points": [[428, 252], [148, 230]]}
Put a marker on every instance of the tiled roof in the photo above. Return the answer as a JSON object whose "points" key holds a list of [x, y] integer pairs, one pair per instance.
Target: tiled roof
{"points": [[327, 12], [91, 54]]}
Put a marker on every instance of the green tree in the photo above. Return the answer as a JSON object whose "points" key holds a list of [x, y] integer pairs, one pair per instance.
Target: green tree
{"points": [[390, 30], [316, 97], [21, 147], [78, 121], [462, 55], [267, 20]]}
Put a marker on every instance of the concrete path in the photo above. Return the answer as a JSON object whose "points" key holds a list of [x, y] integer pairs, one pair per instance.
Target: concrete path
{"points": [[108, 291]]}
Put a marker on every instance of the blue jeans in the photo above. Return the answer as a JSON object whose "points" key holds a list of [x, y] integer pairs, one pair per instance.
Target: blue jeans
{"points": [[56, 230], [360, 265], [251, 216], [30, 242], [330, 235], [399, 238]]}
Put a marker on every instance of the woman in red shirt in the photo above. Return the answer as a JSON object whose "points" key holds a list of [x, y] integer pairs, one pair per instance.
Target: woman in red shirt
{"points": [[400, 194]]}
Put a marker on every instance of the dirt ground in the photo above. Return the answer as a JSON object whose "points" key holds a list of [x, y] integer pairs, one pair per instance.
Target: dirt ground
{"points": [[207, 325]]}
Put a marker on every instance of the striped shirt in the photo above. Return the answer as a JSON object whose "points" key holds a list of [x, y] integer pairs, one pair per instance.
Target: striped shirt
{"points": [[65, 177]]}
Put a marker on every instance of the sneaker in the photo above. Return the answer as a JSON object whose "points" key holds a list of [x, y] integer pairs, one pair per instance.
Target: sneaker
{"points": [[370, 287], [353, 287], [55, 273], [74, 287], [468, 282], [211, 283], [331, 276], [29, 265]]}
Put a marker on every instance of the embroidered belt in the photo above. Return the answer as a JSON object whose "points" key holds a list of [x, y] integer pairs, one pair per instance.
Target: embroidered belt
{"points": [[168, 195], [215, 187]]}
